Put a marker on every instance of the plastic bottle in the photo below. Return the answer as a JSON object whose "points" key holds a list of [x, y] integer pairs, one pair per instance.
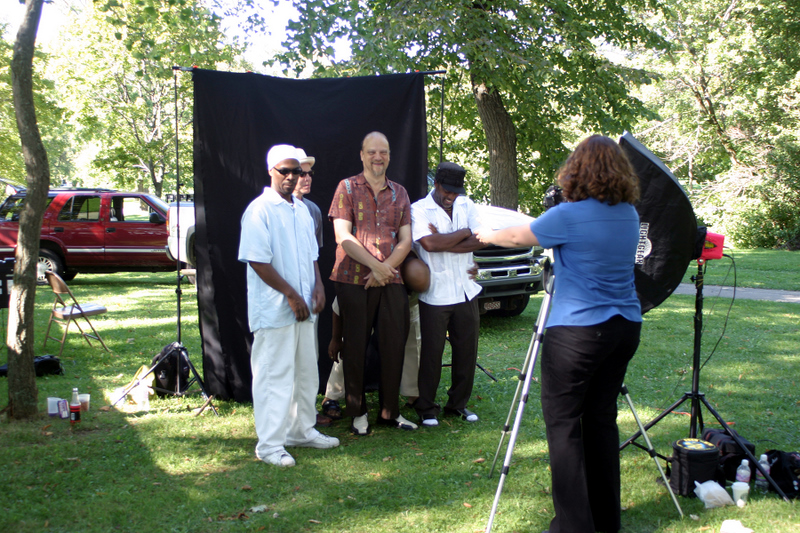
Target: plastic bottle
{"points": [[743, 472], [74, 407], [761, 482]]}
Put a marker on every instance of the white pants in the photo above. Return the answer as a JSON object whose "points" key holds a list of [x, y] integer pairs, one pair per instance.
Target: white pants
{"points": [[408, 384], [285, 381]]}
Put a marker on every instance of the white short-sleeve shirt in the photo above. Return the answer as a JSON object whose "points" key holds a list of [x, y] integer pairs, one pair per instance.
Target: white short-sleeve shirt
{"points": [[281, 234], [450, 283]]}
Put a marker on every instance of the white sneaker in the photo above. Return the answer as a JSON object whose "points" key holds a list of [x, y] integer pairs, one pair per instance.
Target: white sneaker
{"points": [[430, 422], [320, 441], [280, 458]]}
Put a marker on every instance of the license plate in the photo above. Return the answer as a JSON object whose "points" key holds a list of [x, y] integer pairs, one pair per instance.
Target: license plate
{"points": [[491, 306]]}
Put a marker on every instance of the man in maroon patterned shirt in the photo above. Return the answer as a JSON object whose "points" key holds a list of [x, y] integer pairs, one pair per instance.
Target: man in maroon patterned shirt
{"points": [[372, 222]]}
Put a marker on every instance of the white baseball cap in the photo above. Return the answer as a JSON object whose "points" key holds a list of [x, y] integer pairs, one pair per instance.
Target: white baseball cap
{"points": [[279, 152]]}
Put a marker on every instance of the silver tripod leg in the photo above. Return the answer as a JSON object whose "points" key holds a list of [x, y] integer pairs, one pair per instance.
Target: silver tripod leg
{"points": [[530, 362], [650, 450], [524, 387]]}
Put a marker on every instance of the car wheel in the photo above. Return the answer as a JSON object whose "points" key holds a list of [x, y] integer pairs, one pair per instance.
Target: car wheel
{"points": [[49, 260], [522, 304]]}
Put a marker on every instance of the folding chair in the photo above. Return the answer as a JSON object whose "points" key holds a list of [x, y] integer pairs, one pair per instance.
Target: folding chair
{"points": [[68, 314]]}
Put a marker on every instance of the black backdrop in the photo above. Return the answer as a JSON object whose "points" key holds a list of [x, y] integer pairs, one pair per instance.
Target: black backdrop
{"points": [[237, 118]]}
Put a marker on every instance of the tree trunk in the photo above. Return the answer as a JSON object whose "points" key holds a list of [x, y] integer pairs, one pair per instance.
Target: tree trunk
{"points": [[501, 140], [22, 389]]}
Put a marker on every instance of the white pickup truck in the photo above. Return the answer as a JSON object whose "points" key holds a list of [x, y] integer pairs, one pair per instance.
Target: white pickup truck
{"points": [[181, 245], [509, 276]]}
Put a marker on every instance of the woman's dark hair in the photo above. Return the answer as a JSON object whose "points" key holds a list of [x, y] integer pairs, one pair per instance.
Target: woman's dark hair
{"points": [[598, 168]]}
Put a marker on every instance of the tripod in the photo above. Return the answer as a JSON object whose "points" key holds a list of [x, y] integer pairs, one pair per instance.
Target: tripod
{"points": [[696, 397], [175, 347], [522, 392]]}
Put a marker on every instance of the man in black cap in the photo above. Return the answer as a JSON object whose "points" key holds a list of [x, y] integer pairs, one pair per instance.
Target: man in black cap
{"points": [[443, 226]]}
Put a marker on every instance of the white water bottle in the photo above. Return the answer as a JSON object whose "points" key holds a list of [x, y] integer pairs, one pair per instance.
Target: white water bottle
{"points": [[761, 481], [743, 472]]}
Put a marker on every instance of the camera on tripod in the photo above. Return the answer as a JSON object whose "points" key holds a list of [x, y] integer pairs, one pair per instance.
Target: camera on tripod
{"points": [[552, 197]]}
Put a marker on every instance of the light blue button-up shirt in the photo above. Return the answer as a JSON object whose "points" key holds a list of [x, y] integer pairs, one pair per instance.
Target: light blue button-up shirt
{"points": [[280, 233]]}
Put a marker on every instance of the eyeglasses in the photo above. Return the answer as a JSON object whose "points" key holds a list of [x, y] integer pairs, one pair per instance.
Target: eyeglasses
{"points": [[285, 171], [310, 174]]}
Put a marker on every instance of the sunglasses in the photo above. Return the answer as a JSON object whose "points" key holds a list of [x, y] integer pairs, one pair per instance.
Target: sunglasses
{"points": [[285, 171], [310, 174]]}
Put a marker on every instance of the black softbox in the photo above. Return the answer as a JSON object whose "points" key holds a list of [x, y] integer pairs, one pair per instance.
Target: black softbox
{"points": [[667, 226], [237, 118]]}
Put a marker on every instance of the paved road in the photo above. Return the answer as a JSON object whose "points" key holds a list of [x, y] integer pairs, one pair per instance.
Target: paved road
{"points": [[742, 293]]}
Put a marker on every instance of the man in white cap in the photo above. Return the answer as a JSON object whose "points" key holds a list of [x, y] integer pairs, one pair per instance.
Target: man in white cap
{"points": [[284, 296], [303, 188]]}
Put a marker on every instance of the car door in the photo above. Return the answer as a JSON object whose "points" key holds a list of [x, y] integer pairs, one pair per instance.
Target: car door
{"points": [[79, 229], [136, 231]]}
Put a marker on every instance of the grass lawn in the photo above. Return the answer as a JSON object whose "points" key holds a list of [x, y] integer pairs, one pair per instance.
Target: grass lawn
{"points": [[167, 470], [757, 268]]}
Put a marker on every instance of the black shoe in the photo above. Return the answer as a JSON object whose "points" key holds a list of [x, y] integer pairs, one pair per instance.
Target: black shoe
{"points": [[399, 423], [464, 414], [331, 409]]}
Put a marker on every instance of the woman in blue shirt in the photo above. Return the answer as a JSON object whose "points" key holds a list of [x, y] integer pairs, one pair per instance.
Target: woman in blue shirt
{"points": [[592, 331]]}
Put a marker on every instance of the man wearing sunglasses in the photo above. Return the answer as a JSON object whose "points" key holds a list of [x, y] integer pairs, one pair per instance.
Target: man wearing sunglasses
{"points": [[303, 188], [284, 296], [372, 221]]}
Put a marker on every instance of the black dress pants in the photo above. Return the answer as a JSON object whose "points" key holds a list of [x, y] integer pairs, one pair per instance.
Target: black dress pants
{"points": [[462, 322], [583, 368], [386, 309]]}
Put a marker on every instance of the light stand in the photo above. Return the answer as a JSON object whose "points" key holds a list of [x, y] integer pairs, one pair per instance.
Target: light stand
{"points": [[696, 397], [176, 347]]}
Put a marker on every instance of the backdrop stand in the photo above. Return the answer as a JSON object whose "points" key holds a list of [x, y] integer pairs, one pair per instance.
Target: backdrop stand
{"points": [[696, 397], [176, 347]]}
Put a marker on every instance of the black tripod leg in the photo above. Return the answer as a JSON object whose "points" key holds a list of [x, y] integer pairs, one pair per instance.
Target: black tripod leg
{"points": [[486, 372], [200, 383], [747, 452], [657, 419]]}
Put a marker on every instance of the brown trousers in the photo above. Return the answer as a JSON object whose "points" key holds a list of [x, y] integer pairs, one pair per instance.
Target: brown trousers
{"points": [[386, 309]]}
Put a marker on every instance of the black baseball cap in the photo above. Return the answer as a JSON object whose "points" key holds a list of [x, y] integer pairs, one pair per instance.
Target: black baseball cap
{"points": [[451, 177]]}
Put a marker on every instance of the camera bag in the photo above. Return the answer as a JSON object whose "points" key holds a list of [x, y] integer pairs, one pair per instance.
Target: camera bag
{"points": [[166, 372], [730, 453], [692, 460], [43, 365], [784, 469]]}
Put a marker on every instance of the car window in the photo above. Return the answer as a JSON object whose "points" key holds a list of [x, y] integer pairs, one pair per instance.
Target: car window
{"points": [[13, 205], [80, 209], [130, 209]]}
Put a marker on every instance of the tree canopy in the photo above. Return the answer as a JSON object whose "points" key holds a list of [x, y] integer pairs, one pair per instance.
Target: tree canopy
{"points": [[50, 115], [524, 80], [116, 75], [729, 121]]}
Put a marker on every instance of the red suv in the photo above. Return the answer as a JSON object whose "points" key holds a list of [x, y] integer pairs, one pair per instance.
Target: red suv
{"points": [[93, 230]]}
